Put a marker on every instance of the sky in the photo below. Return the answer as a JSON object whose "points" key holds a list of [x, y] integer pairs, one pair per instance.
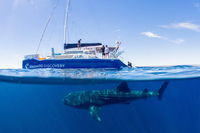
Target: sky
{"points": [[152, 32]]}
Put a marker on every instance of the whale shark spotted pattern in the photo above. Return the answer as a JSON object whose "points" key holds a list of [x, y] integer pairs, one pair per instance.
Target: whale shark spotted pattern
{"points": [[93, 100]]}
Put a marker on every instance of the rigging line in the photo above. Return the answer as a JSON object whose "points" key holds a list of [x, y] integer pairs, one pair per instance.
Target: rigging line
{"points": [[45, 28], [66, 20]]}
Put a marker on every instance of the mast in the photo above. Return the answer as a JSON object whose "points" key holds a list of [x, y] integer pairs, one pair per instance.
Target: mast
{"points": [[66, 21], [47, 24]]}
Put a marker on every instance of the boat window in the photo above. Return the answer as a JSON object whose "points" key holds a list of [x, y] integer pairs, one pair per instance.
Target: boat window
{"points": [[74, 52], [89, 52]]}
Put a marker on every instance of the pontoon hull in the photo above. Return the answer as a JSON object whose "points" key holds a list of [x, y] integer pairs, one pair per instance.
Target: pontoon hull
{"points": [[73, 63]]}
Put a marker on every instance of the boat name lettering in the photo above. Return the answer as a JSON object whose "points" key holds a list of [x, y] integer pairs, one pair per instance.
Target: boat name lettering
{"points": [[47, 66]]}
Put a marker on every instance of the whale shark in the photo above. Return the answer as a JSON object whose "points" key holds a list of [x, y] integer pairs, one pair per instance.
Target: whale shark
{"points": [[93, 100]]}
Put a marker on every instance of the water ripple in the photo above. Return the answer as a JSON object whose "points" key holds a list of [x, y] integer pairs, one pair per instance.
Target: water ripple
{"points": [[138, 73]]}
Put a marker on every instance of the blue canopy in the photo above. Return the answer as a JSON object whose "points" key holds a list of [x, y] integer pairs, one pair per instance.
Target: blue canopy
{"points": [[75, 45]]}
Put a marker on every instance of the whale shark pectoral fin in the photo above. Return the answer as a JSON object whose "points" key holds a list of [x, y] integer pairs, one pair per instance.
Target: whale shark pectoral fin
{"points": [[94, 112], [123, 87]]}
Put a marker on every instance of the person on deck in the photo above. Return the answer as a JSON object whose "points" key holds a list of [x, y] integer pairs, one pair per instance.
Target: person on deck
{"points": [[107, 51], [103, 51], [130, 64], [79, 44]]}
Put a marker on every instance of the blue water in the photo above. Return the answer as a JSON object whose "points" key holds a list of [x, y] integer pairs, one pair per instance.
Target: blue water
{"points": [[32, 101]]}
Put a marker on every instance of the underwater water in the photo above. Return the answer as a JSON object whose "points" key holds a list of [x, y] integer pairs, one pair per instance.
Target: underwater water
{"points": [[31, 101]]}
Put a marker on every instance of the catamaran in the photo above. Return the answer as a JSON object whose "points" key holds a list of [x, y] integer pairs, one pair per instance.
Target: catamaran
{"points": [[76, 55]]}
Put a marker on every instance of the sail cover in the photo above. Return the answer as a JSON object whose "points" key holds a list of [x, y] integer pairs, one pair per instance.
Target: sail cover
{"points": [[75, 45]]}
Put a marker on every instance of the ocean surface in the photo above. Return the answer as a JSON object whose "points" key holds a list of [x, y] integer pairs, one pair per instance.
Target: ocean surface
{"points": [[31, 101]]}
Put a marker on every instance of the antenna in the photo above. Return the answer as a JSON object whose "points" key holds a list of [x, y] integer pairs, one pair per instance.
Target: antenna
{"points": [[66, 20]]}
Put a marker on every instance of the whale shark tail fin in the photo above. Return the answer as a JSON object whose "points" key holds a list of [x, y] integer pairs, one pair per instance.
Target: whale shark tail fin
{"points": [[162, 89], [123, 87]]}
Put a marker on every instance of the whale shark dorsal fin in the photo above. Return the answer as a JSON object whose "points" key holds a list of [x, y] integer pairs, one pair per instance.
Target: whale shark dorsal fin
{"points": [[94, 112], [145, 90], [123, 87]]}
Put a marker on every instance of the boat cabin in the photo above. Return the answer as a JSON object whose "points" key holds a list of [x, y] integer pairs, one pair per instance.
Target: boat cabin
{"points": [[72, 51]]}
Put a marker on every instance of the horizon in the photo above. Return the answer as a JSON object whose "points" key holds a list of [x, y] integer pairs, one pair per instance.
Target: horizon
{"points": [[150, 32]]}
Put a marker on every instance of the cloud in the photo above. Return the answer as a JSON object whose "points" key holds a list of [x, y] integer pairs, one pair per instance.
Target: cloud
{"points": [[197, 5], [151, 35], [178, 41], [117, 30], [154, 35], [183, 25], [18, 3]]}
